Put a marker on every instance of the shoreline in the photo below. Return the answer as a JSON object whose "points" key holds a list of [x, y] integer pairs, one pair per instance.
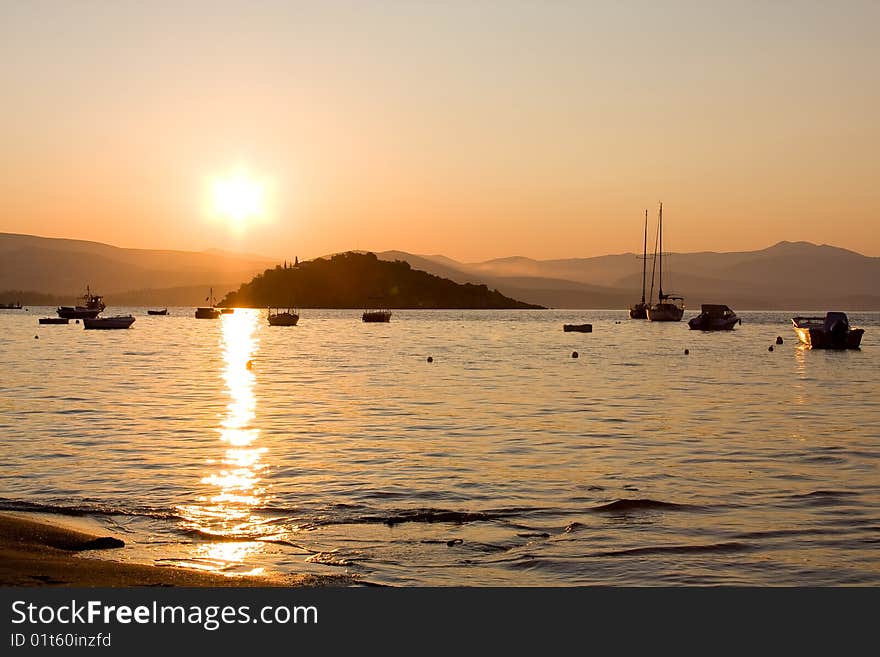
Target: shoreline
{"points": [[35, 552]]}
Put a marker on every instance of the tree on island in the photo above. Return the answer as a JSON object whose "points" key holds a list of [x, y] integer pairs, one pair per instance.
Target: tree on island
{"points": [[360, 280]]}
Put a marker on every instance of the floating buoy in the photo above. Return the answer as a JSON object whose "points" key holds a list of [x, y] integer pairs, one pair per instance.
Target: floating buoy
{"points": [[250, 365], [687, 351], [770, 348], [36, 337], [430, 359], [778, 339], [574, 354]]}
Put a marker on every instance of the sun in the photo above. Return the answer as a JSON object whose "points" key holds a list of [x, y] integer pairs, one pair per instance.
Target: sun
{"points": [[239, 198]]}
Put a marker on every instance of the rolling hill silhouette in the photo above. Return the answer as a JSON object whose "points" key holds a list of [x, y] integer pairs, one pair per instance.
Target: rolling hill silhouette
{"points": [[785, 276]]}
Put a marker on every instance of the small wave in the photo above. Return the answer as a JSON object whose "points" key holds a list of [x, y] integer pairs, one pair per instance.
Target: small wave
{"points": [[397, 517], [826, 493], [86, 509], [677, 549], [329, 559], [824, 497], [639, 505]]}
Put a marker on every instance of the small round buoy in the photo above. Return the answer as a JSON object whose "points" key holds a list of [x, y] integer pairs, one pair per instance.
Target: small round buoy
{"points": [[687, 351], [574, 354], [36, 337], [778, 339], [430, 359], [250, 365], [770, 348]]}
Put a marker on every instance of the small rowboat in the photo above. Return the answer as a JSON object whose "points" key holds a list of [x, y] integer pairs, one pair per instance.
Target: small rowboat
{"points": [[117, 322], [54, 320], [578, 328], [164, 311]]}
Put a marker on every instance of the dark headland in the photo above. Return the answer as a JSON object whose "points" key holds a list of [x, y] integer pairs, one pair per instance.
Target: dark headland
{"points": [[361, 280]]}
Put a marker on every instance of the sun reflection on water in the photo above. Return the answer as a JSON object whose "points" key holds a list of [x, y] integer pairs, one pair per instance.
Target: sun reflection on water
{"points": [[227, 514]]}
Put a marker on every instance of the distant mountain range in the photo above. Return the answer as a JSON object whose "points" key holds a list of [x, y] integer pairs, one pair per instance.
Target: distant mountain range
{"points": [[40, 270], [785, 276]]}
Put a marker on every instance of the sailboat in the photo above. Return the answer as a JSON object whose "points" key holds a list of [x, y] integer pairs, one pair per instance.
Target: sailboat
{"points": [[640, 310], [208, 312], [666, 309]]}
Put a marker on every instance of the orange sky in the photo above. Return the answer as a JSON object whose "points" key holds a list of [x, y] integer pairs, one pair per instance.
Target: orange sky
{"points": [[475, 130]]}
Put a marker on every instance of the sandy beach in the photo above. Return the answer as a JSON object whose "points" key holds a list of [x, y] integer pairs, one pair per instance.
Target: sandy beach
{"points": [[34, 552]]}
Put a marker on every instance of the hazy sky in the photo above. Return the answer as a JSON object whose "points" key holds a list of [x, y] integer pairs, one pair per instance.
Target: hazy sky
{"points": [[472, 129]]}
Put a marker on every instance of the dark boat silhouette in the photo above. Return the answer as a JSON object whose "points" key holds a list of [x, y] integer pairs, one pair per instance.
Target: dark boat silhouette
{"points": [[287, 318], [830, 332], [208, 312], [578, 328], [10, 306], [714, 317], [108, 323], [164, 311], [92, 306], [666, 309], [54, 320], [383, 315]]}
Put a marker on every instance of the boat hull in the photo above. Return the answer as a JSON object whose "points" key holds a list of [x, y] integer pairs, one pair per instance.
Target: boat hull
{"points": [[108, 323], [54, 320], [578, 328], [638, 311], [207, 313], [665, 312], [818, 338], [157, 312], [378, 316], [283, 319], [77, 312], [700, 324]]}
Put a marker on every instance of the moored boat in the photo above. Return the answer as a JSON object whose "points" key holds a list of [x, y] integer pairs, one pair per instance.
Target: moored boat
{"points": [[164, 311], [92, 306], [377, 315], [116, 322], [208, 312], [287, 318], [714, 317], [668, 308], [830, 332], [11, 306], [54, 320], [578, 328]]}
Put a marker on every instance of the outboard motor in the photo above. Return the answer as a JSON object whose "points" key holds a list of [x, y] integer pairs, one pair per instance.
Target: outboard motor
{"points": [[837, 326]]}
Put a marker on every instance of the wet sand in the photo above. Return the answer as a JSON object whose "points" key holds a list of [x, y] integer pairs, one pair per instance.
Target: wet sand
{"points": [[34, 552]]}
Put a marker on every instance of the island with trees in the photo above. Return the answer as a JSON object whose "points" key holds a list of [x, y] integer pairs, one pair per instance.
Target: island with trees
{"points": [[361, 280]]}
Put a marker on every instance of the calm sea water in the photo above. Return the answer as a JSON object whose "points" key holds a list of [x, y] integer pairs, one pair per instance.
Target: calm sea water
{"points": [[339, 449]]}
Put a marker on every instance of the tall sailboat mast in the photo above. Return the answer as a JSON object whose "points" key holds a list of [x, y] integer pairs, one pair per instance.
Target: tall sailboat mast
{"points": [[645, 257], [661, 296]]}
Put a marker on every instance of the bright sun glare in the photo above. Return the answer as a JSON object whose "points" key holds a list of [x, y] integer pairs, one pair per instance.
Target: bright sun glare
{"points": [[238, 198]]}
